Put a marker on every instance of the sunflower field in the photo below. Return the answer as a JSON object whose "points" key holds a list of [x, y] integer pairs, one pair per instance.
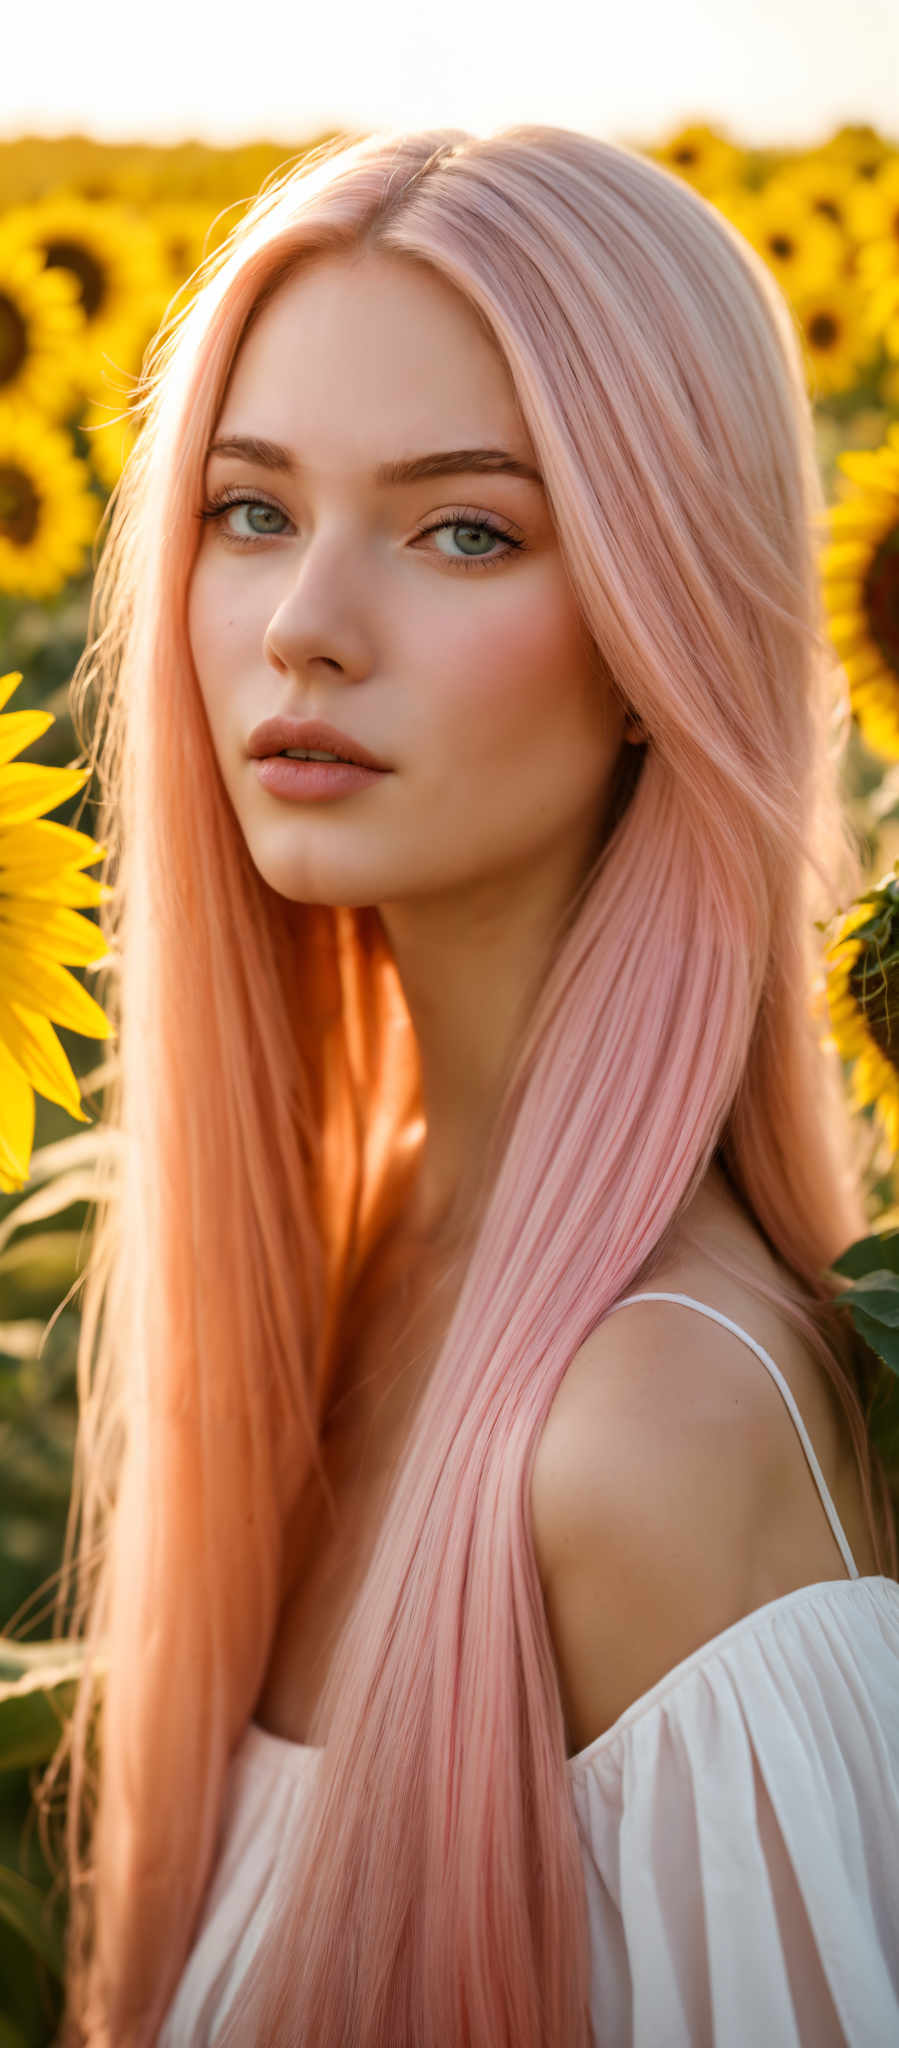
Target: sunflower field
{"points": [[97, 244]]}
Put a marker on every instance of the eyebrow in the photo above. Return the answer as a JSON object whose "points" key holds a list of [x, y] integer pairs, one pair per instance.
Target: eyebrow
{"points": [[449, 461]]}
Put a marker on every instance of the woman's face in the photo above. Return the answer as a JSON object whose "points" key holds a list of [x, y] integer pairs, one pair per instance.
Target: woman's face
{"points": [[457, 657]]}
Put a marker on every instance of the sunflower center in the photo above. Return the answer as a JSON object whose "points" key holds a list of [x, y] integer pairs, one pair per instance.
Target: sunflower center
{"points": [[89, 272], [874, 985], [13, 339], [880, 598], [823, 330], [19, 505]]}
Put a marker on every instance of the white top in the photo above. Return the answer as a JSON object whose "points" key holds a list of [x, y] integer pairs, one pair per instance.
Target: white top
{"points": [[739, 1825]]}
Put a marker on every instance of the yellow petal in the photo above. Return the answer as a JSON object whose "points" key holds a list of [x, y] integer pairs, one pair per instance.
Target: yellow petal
{"points": [[846, 629], [52, 931], [19, 728], [868, 661], [8, 684], [16, 1123], [43, 844], [865, 517], [32, 1042], [846, 554], [843, 593], [872, 468], [69, 886], [45, 986], [26, 789]]}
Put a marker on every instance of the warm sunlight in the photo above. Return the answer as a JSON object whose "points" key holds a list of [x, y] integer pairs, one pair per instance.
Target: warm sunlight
{"points": [[781, 69]]}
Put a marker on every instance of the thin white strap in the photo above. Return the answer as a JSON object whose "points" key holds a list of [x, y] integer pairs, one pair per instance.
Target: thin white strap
{"points": [[779, 1380]]}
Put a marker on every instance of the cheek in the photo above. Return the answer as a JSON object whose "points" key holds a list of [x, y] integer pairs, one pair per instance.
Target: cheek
{"points": [[210, 624], [520, 690], [217, 640]]}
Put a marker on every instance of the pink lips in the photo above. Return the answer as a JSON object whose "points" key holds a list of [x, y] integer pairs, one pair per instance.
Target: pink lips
{"points": [[314, 781], [274, 734]]}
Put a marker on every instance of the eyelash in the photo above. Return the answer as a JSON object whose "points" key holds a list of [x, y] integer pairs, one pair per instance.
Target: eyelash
{"points": [[215, 507]]}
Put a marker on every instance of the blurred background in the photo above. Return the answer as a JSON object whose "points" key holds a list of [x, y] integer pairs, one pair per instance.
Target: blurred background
{"points": [[125, 158], [780, 71]]}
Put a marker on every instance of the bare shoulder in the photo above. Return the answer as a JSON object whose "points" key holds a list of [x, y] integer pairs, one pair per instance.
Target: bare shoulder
{"points": [[645, 1497], [670, 1492]]}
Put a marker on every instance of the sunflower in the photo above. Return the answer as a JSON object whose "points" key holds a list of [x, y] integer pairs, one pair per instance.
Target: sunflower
{"points": [[881, 283], [837, 342], [186, 232], [118, 263], [40, 319], [31, 165], [701, 155], [192, 171], [861, 990], [48, 512], [826, 182], [860, 585], [42, 888], [800, 244], [110, 433], [882, 314], [873, 214], [859, 146]]}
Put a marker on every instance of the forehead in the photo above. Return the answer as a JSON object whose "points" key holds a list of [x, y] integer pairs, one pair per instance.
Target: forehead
{"points": [[350, 350]]}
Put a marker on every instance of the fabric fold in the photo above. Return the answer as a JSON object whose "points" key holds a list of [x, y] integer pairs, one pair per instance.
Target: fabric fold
{"points": [[740, 1843], [740, 1830]]}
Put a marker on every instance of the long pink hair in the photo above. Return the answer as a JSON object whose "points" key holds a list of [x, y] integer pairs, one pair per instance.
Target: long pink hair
{"points": [[269, 1104]]}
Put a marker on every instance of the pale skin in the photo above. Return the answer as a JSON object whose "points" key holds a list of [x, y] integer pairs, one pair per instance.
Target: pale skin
{"points": [[477, 685], [483, 691]]}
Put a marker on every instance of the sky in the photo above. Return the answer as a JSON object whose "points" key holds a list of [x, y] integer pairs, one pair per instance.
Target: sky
{"points": [[787, 71]]}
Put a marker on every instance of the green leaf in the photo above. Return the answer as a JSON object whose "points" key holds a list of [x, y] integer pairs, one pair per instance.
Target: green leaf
{"points": [[872, 1301], [883, 1423], [872, 1255], [878, 1292], [879, 1336], [23, 1907], [31, 1723]]}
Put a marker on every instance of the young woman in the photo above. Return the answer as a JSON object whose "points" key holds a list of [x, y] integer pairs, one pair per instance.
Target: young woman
{"points": [[498, 1608]]}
